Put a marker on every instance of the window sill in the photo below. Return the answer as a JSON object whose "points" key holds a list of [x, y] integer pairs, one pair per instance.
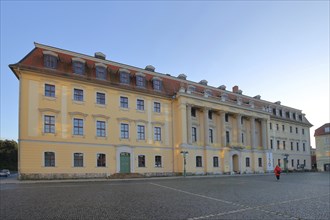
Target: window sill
{"points": [[78, 102], [101, 137], [101, 105], [140, 111], [123, 109], [49, 98], [49, 134], [78, 136]]}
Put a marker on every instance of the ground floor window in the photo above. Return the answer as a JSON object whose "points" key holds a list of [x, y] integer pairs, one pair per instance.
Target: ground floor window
{"points": [[101, 160], [158, 161], [49, 159], [141, 161], [78, 159], [247, 162], [199, 161], [215, 161], [260, 162]]}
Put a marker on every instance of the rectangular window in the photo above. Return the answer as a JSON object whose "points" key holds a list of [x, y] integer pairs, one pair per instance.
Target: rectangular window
{"points": [[283, 127], [100, 128], [157, 134], [78, 159], [247, 162], [199, 161], [304, 148], [297, 146], [157, 107], [277, 127], [194, 134], [123, 102], [79, 67], [100, 98], [50, 61], [140, 81], [260, 162], [78, 126], [290, 129], [211, 136], [242, 138], [296, 130], [124, 133], [124, 78], [271, 144], [279, 162], [242, 120], [215, 161], [297, 162], [278, 144], [227, 137], [303, 131], [157, 84], [140, 104], [304, 163], [283, 145], [226, 117], [193, 112], [141, 161], [49, 90], [158, 161], [101, 73], [78, 95], [292, 146], [292, 162], [140, 132], [49, 124], [49, 158], [210, 115], [101, 160], [270, 126]]}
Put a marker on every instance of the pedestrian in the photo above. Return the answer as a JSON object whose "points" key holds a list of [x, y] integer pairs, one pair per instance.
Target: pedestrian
{"points": [[277, 172]]}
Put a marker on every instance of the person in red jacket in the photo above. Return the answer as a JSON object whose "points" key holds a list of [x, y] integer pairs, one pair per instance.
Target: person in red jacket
{"points": [[277, 172]]}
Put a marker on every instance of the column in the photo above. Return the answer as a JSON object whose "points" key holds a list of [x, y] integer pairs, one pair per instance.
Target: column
{"points": [[253, 132], [189, 124], [223, 128], [206, 137], [183, 110], [264, 133], [239, 128]]}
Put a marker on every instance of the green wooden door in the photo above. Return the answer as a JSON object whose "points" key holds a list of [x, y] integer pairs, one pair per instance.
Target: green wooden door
{"points": [[125, 162]]}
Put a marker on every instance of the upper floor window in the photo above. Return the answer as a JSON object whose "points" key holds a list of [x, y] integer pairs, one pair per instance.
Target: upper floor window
{"points": [[123, 102], [100, 98], [157, 84], [284, 145], [49, 90], [140, 132], [140, 80], [296, 130], [157, 107], [78, 95], [158, 161], [78, 66], [101, 72], [49, 124], [140, 104], [49, 159], [291, 145], [78, 159], [101, 160], [157, 134], [199, 161], [193, 112], [283, 127], [277, 127], [270, 126], [290, 129], [226, 117], [304, 147], [124, 76], [297, 146], [210, 115], [78, 126], [194, 134], [100, 128], [227, 137], [260, 162], [124, 132], [303, 131], [271, 144], [247, 162], [50, 59], [278, 144], [211, 136]]}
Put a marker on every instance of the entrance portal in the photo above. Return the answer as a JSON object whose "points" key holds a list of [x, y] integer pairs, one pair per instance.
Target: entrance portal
{"points": [[235, 163], [125, 162]]}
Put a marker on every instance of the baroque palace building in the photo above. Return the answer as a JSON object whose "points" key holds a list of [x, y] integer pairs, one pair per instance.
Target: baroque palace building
{"points": [[84, 116]]}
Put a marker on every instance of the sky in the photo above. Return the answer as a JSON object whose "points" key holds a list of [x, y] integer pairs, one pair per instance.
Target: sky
{"points": [[276, 49]]}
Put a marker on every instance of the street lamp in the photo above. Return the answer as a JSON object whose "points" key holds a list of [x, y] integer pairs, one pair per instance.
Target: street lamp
{"points": [[184, 154]]}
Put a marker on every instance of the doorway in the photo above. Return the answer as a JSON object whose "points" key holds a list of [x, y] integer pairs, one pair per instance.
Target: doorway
{"points": [[125, 162]]}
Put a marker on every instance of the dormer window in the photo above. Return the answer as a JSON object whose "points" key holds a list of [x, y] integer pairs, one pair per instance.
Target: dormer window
{"points": [[124, 76], [140, 80], [157, 83], [78, 66], [50, 59], [101, 71], [191, 89], [207, 93]]}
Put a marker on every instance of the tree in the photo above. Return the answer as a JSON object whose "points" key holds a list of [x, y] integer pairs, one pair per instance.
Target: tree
{"points": [[8, 154]]}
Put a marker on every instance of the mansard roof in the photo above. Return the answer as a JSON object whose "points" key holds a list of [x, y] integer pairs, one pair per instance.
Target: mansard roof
{"points": [[323, 130]]}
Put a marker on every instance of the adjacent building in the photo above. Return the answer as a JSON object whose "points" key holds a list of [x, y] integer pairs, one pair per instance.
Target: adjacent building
{"points": [[322, 142], [85, 116]]}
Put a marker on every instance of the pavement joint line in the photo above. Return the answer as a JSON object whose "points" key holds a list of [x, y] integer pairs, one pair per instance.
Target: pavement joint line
{"points": [[236, 204]]}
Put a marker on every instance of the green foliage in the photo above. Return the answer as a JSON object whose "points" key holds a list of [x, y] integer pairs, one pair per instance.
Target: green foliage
{"points": [[8, 154]]}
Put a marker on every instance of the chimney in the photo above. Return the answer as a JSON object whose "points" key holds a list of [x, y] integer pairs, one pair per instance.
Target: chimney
{"points": [[235, 89], [150, 68], [99, 55]]}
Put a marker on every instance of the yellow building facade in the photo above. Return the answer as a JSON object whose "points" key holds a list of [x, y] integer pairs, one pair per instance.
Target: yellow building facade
{"points": [[322, 142], [85, 117]]}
